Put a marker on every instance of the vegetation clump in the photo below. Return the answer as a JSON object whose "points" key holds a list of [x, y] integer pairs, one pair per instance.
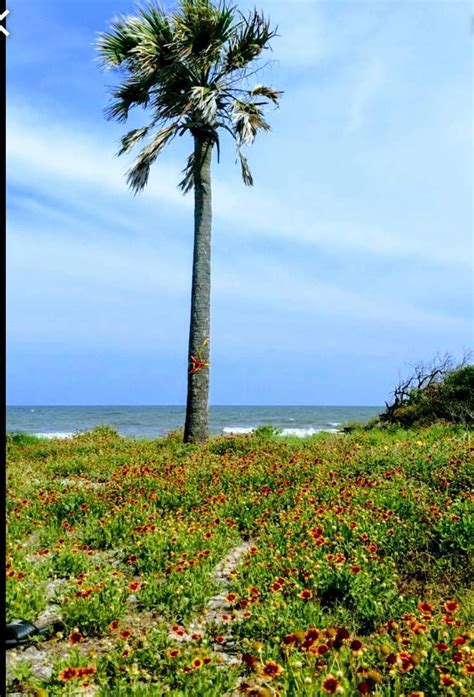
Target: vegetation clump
{"points": [[437, 391], [350, 575]]}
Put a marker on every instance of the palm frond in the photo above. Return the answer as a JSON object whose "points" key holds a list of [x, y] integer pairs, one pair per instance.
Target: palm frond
{"points": [[269, 92], [246, 174], [187, 182], [248, 42], [205, 102], [137, 176], [132, 138], [154, 50], [132, 92], [202, 28], [156, 21], [247, 119], [114, 47]]}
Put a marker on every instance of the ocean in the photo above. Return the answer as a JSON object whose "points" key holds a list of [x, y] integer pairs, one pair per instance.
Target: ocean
{"points": [[151, 422]]}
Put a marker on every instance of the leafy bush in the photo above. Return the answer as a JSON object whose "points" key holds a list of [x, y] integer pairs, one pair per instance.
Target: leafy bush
{"points": [[266, 432], [21, 438], [435, 392], [226, 444]]}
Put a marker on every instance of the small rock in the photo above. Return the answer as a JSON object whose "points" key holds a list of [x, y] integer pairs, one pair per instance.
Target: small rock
{"points": [[53, 587], [50, 615], [41, 671]]}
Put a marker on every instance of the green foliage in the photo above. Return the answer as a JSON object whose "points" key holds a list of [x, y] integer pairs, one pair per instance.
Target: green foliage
{"points": [[449, 398], [456, 396], [190, 68], [356, 562], [21, 438], [353, 426], [266, 432], [25, 590], [102, 601], [224, 445]]}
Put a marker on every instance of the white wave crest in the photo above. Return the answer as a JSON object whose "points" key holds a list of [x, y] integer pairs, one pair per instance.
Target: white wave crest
{"points": [[297, 432], [238, 429], [54, 435], [300, 432]]}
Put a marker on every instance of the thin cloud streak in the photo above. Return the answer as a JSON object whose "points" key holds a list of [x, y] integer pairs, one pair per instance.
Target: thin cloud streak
{"points": [[92, 269], [77, 163]]}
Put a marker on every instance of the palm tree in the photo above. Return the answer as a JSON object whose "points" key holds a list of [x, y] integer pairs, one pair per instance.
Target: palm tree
{"points": [[190, 68]]}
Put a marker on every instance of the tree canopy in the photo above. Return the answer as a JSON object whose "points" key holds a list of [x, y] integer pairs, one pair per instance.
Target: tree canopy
{"points": [[191, 69]]}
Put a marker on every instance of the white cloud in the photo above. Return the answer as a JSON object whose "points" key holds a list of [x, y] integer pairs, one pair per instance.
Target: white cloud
{"points": [[135, 293], [72, 243], [39, 148], [274, 285], [66, 162]]}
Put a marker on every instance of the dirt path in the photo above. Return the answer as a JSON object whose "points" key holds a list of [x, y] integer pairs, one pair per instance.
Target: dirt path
{"points": [[218, 609]]}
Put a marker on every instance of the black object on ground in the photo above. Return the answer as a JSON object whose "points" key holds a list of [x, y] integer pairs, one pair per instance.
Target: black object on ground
{"points": [[22, 632]]}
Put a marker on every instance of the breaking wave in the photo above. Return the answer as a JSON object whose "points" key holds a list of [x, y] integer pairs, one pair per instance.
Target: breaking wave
{"points": [[297, 432], [60, 434]]}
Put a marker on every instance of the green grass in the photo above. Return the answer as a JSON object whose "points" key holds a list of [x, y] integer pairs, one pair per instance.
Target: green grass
{"points": [[21, 438], [357, 539]]}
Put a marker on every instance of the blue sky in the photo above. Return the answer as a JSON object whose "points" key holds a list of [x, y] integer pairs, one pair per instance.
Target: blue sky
{"points": [[349, 260]]}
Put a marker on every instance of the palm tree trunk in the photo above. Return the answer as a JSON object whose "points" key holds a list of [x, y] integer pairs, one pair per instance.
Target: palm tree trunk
{"points": [[197, 404]]}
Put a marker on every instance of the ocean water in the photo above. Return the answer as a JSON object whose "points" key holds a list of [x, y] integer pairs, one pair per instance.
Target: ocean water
{"points": [[151, 422]]}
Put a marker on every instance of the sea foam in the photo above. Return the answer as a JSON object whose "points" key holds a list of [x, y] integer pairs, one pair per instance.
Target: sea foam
{"points": [[238, 430], [53, 435], [297, 432]]}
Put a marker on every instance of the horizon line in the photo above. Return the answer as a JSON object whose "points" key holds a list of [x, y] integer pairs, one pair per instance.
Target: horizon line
{"points": [[183, 406]]}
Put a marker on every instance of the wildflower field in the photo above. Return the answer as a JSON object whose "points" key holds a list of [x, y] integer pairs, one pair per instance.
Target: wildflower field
{"points": [[249, 565]]}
